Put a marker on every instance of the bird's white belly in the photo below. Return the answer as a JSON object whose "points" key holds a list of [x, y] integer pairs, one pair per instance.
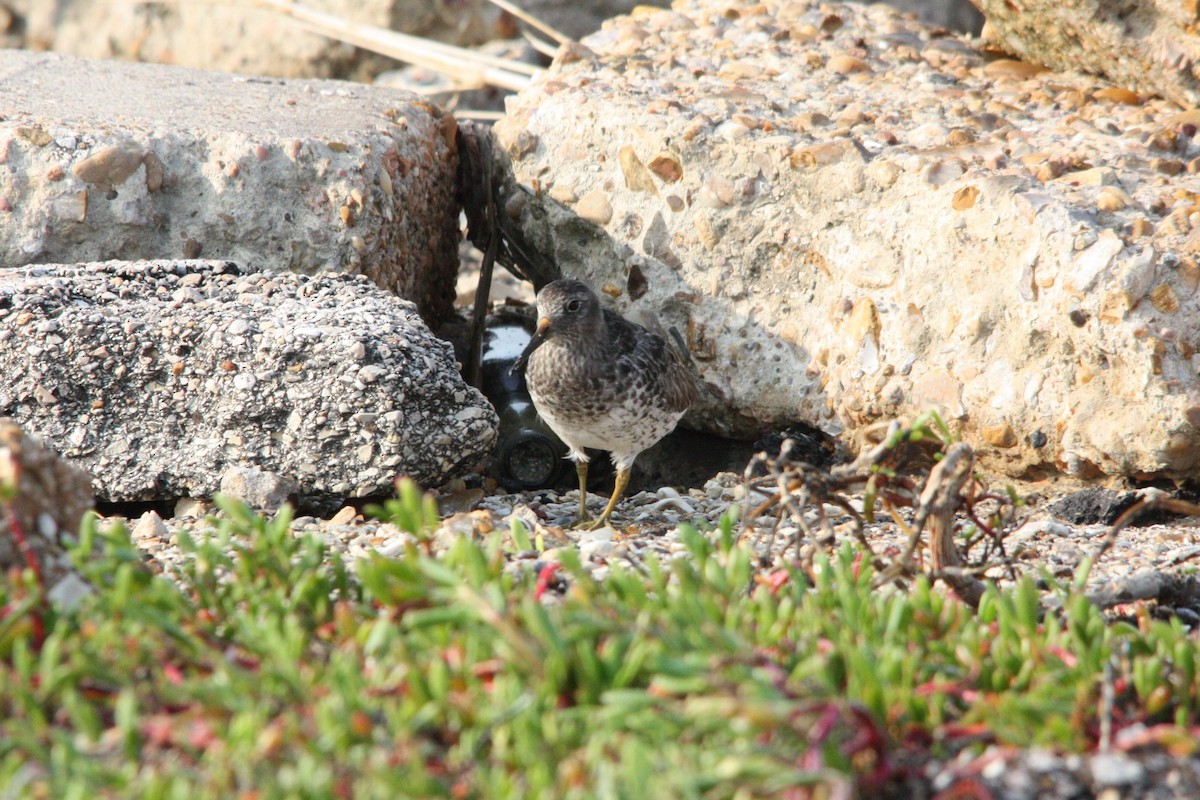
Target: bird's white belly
{"points": [[624, 430]]}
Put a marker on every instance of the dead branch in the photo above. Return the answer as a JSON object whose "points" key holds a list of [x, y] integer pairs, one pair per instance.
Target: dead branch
{"points": [[940, 501]]}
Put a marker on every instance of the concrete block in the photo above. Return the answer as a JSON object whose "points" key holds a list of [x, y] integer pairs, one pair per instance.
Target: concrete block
{"points": [[109, 160]]}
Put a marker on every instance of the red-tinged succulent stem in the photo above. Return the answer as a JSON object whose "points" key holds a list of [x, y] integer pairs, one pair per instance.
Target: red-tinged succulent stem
{"points": [[31, 561]]}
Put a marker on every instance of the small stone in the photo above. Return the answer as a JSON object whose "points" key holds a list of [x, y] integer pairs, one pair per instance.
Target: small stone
{"points": [[846, 65], [1091, 261], [939, 389], [1163, 298], [155, 172], [1137, 276], [73, 206], [563, 194], [1117, 95], [1111, 198], [1097, 176], [396, 547], [371, 373], [960, 137], [1116, 769], [818, 155], [259, 489], [596, 549], [594, 207], [110, 166], [150, 527], [637, 177], [731, 130], [808, 121], [1009, 69], [1167, 166], [344, 516], [708, 235], [964, 198], [38, 137], [667, 167], [1001, 435], [191, 507]]}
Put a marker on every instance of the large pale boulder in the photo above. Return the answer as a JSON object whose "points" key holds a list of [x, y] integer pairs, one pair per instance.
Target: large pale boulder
{"points": [[110, 160], [165, 378], [851, 217]]}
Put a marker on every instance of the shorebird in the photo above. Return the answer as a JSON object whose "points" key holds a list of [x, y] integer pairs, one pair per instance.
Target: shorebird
{"points": [[602, 382]]}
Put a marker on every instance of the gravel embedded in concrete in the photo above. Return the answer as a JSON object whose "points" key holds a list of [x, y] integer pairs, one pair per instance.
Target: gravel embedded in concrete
{"points": [[854, 218], [158, 377]]}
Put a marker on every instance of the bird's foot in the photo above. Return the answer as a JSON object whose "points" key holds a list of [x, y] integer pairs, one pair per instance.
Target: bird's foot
{"points": [[592, 524]]}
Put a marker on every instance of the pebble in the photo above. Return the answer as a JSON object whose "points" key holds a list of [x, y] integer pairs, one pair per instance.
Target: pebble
{"points": [[1116, 769], [150, 527], [192, 507], [594, 207]]}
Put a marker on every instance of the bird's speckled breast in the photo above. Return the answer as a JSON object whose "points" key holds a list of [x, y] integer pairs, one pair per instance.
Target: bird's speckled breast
{"points": [[590, 404]]}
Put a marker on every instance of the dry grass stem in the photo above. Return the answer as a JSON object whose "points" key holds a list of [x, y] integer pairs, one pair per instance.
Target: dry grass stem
{"points": [[468, 68], [531, 21]]}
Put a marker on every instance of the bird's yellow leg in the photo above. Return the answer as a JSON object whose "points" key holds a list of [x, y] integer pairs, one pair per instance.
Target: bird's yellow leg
{"points": [[581, 469], [618, 490]]}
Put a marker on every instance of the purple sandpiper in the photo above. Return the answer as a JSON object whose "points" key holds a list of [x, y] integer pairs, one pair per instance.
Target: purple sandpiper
{"points": [[602, 382]]}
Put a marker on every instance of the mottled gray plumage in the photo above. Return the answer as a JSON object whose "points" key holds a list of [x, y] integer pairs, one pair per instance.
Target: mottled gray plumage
{"points": [[602, 382]]}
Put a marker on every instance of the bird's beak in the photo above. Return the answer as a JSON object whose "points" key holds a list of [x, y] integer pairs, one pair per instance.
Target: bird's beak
{"points": [[535, 341]]}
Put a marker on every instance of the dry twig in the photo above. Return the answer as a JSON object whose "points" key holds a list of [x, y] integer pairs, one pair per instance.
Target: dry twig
{"points": [[531, 20], [803, 493], [468, 68]]}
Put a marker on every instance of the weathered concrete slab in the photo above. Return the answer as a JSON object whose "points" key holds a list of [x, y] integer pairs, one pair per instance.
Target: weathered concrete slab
{"points": [[163, 378], [854, 217], [109, 160]]}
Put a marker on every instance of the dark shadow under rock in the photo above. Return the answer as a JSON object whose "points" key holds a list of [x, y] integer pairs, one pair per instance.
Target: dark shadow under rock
{"points": [[1092, 506]]}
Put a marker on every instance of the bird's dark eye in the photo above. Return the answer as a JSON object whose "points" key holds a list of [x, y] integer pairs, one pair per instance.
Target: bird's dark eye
{"points": [[573, 305]]}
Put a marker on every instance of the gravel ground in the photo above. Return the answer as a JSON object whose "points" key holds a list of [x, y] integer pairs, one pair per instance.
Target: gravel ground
{"points": [[647, 523]]}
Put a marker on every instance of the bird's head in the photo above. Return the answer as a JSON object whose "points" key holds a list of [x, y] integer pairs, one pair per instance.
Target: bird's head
{"points": [[567, 309]]}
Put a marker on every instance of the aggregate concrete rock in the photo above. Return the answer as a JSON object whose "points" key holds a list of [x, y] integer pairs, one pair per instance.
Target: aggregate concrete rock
{"points": [[1143, 45], [854, 218], [107, 160], [160, 377], [49, 497], [239, 37], [245, 37]]}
